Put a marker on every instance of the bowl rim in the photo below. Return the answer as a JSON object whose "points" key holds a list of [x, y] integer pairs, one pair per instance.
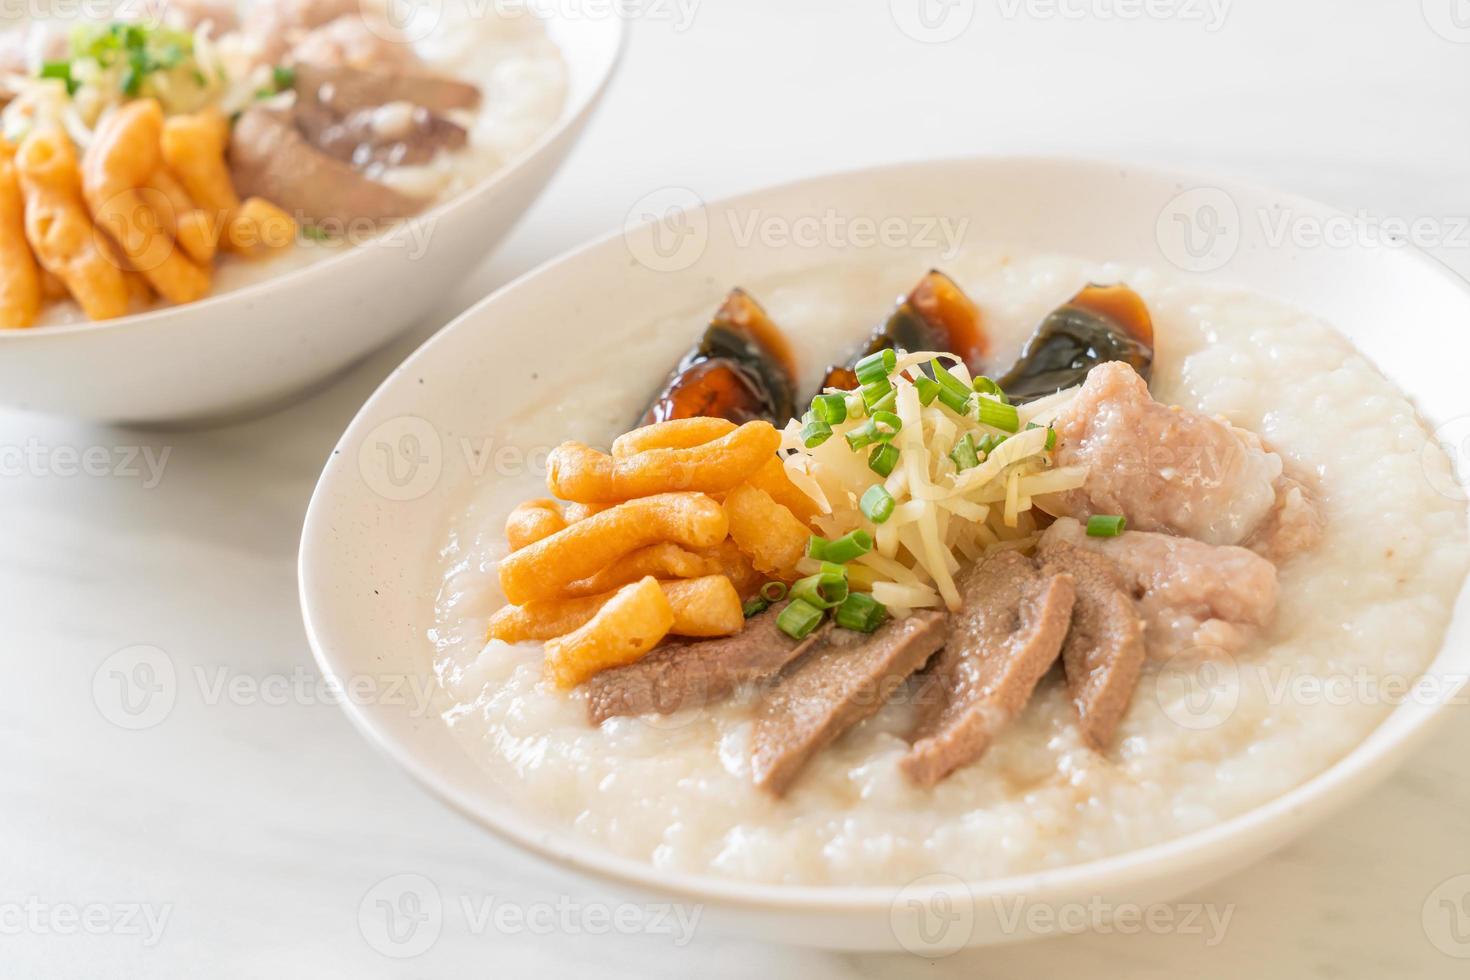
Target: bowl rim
{"points": [[1311, 800], [571, 115]]}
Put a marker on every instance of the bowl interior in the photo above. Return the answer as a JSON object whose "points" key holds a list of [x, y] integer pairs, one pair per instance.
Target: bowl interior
{"points": [[367, 597]]}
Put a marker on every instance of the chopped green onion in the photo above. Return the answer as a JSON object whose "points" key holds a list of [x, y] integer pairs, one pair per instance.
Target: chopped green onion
{"points": [[964, 454], [999, 414], [773, 591], [985, 386], [956, 402], [798, 619], [853, 544], [284, 77], [876, 366], [863, 436], [876, 391], [814, 433], [1105, 525], [988, 442], [887, 403], [60, 70], [1051, 434], [928, 389], [754, 606], [942, 375], [831, 409], [877, 503], [860, 611], [883, 459], [832, 568], [887, 424], [823, 590]]}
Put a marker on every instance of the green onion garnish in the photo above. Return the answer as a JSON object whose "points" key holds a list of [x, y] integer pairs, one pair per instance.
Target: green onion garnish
{"points": [[860, 611], [283, 76], [831, 409], [964, 454], [876, 503], [999, 414], [824, 590], [853, 544], [988, 442], [887, 425], [814, 433], [928, 389], [798, 619], [883, 459], [754, 606], [942, 375], [1051, 434], [876, 366], [985, 386], [773, 591], [954, 401], [863, 436], [887, 403], [60, 70], [1105, 525], [875, 391]]}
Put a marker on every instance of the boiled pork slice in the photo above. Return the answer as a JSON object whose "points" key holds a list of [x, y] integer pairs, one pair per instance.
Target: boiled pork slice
{"points": [[1104, 653], [1195, 598], [1163, 467], [690, 673], [1002, 641], [845, 679]]}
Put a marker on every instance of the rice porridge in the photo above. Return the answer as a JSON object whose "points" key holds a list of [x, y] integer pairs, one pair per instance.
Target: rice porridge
{"points": [[1359, 616]]}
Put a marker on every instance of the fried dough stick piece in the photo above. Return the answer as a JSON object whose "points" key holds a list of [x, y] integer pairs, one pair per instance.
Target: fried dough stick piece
{"points": [[20, 277]]}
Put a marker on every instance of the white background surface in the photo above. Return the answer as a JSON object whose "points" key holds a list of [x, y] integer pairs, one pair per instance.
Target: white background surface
{"points": [[260, 827]]}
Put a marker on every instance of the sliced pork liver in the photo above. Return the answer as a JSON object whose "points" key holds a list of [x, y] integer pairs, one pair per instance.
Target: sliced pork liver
{"points": [[343, 89], [1163, 467], [1003, 640], [270, 158], [1104, 652], [694, 672], [1194, 597], [846, 678]]}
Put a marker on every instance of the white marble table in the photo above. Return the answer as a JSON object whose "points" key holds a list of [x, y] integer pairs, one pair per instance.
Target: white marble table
{"points": [[251, 825]]}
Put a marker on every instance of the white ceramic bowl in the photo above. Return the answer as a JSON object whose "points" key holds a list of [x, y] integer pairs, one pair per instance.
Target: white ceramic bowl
{"points": [[247, 349], [367, 586]]}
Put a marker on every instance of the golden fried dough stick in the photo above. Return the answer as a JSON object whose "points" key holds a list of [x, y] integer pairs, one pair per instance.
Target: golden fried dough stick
{"points": [[59, 228], [193, 146], [628, 626], [577, 472], [769, 533], [773, 480], [673, 434], [531, 521], [707, 606], [544, 569], [662, 560], [192, 228], [20, 276], [122, 157]]}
